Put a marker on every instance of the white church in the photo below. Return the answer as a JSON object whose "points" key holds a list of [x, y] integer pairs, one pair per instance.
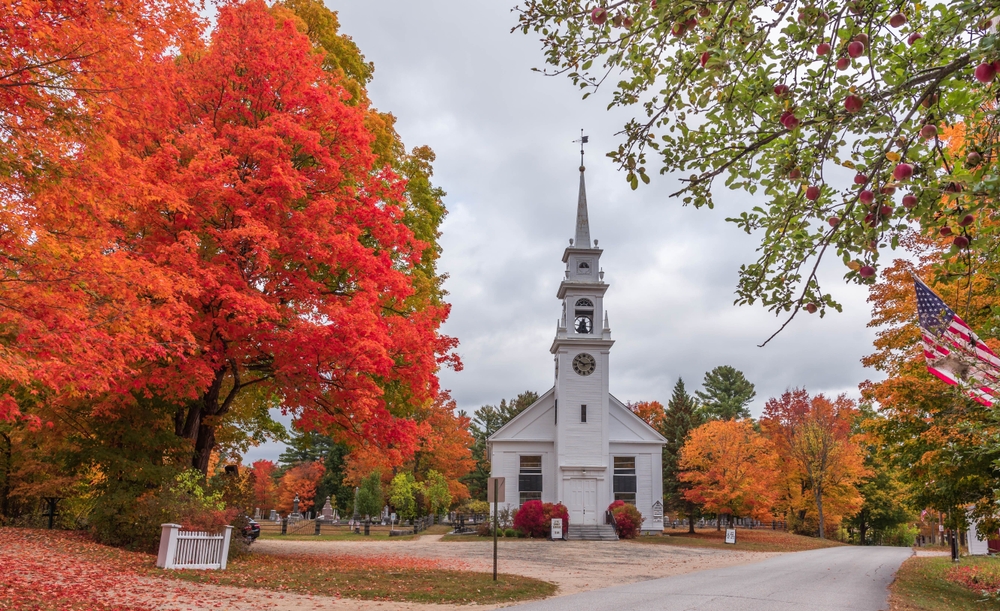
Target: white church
{"points": [[578, 444]]}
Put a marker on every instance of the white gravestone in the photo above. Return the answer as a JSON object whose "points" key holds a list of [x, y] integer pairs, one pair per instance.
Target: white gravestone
{"points": [[731, 536]]}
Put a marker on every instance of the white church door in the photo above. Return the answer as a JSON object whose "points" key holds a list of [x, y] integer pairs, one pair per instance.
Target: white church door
{"points": [[583, 501]]}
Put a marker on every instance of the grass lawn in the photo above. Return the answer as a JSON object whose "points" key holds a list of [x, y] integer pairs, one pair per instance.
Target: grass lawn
{"points": [[757, 540], [937, 584], [379, 578]]}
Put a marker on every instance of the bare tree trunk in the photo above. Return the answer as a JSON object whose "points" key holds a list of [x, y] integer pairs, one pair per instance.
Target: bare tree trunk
{"points": [[690, 514], [5, 490], [818, 493]]}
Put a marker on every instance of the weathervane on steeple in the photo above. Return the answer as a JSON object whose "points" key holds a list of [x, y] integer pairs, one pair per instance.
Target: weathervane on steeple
{"points": [[583, 140]]}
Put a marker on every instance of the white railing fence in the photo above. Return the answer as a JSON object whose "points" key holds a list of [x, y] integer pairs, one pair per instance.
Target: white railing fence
{"points": [[192, 550]]}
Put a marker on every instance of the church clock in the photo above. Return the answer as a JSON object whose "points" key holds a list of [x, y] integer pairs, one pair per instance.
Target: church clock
{"points": [[584, 364]]}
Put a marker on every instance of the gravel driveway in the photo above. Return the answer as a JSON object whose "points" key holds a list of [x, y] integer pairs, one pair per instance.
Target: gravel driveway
{"points": [[576, 566]]}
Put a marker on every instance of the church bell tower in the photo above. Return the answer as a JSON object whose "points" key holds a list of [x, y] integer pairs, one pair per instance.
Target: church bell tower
{"points": [[581, 348]]}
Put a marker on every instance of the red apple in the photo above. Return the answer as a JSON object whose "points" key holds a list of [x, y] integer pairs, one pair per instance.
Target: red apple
{"points": [[929, 101], [888, 190], [960, 241], [628, 22], [843, 63], [885, 210], [599, 15], [862, 38], [811, 308], [856, 49], [789, 120], [897, 20], [870, 218], [914, 37], [985, 73], [860, 179], [853, 103], [973, 159], [866, 196], [953, 187], [812, 193], [704, 12], [794, 173], [928, 131], [833, 220], [781, 90], [967, 220], [866, 271], [902, 171], [909, 201], [678, 30], [704, 58], [823, 48], [945, 231]]}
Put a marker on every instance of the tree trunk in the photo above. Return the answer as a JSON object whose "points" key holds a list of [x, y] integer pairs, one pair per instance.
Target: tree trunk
{"points": [[5, 490], [690, 514], [863, 526], [190, 424], [718, 522], [818, 493]]}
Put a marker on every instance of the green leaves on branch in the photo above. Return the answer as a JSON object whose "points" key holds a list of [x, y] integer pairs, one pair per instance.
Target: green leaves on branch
{"points": [[790, 100]]}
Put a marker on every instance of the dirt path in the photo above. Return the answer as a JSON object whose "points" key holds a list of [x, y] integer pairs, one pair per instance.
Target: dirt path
{"points": [[575, 566]]}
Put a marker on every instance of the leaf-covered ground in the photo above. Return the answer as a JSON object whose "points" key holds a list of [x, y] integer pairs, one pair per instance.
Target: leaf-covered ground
{"points": [[756, 540], [937, 584], [63, 571]]}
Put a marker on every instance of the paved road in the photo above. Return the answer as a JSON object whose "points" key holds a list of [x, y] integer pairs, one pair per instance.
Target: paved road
{"points": [[832, 579]]}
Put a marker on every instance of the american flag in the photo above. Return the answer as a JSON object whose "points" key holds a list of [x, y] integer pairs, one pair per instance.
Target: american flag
{"points": [[953, 351]]}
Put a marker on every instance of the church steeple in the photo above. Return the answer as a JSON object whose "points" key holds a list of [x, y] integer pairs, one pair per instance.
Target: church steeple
{"points": [[582, 238]]}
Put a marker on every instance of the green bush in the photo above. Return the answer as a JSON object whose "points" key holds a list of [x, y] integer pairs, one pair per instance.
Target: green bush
{"points": [[510, 532]]}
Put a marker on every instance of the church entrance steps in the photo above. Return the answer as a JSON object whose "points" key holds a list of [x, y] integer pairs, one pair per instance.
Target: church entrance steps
{"points": [[591, 532]]}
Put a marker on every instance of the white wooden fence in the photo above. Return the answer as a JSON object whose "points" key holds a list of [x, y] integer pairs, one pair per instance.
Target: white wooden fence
{"points": [[192, 550]]}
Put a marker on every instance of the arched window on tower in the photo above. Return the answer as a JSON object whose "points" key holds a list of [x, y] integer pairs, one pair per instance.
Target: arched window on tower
{"points": [[583, 320]]}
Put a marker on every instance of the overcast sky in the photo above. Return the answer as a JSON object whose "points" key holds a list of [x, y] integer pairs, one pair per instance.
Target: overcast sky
{"points": [[459, 81]]}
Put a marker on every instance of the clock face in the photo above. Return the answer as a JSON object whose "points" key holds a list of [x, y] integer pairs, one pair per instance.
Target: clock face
{"points": [[583, 324], [584, 364]]}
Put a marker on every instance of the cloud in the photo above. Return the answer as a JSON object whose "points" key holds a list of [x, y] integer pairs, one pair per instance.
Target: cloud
{"points": [[459, 81]]}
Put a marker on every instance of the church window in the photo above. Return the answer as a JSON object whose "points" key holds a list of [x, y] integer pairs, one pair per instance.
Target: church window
{"points": [[529, 479], [583, 413], [584, 303], [583, 267], [624, 481]]}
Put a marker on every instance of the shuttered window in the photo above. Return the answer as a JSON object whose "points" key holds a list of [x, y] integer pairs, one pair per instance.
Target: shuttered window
{"points": [[624, 479], [529, 479]]}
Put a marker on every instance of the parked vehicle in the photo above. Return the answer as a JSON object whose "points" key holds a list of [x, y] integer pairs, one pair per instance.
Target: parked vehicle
{"points": [[251, 531]]}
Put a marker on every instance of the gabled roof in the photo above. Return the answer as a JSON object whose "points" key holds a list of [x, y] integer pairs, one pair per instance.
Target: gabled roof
{"points": [[631, 424], [525, 418]]}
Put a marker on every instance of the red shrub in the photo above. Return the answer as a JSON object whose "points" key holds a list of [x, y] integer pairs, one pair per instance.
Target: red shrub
{"points": [[533, 519], [628, 520]]}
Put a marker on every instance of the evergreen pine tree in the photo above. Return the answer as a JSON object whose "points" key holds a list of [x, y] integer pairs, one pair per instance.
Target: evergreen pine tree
{"points": [[681, 418], [727, 394]]}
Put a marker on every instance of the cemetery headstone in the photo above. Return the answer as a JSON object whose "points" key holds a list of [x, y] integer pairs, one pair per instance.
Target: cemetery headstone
{"points": [[327, 510], [274, 516]]}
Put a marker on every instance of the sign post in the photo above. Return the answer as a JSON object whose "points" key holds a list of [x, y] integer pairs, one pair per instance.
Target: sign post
{"points": [[556, 529], [495, 490]]}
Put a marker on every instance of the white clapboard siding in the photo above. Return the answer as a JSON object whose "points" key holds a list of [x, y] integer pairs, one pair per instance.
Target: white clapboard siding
{"points": [[192, 550]]}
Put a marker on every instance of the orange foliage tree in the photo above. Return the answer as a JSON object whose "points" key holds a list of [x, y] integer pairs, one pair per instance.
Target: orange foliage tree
{"points": [[731, 469], [651, 412], [301, 480], [290, 234], [265, 490], [822, 460], [937, 436], [443, 444]]}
